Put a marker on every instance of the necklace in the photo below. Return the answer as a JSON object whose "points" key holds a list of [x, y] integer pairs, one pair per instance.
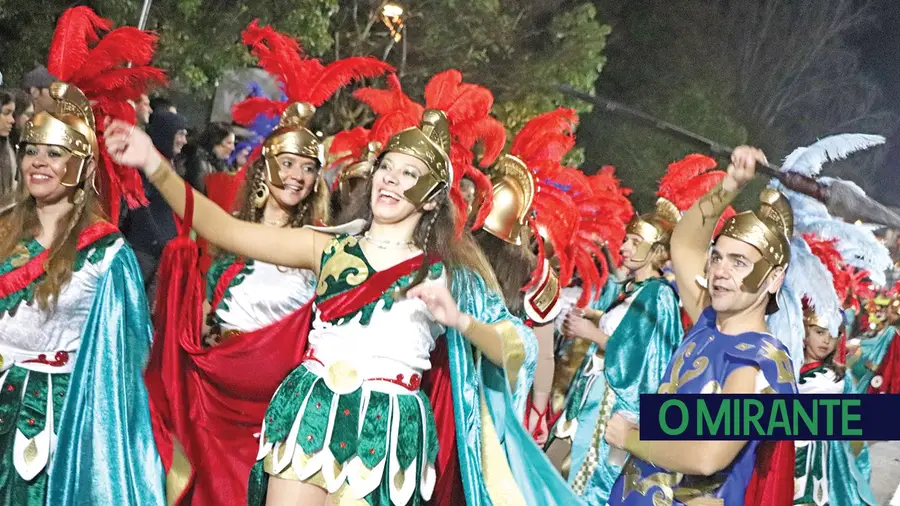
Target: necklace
{"points": [[387, 244], [276, 223]]}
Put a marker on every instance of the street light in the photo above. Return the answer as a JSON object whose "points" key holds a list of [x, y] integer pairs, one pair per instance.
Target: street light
{"points": [[392, 17]]}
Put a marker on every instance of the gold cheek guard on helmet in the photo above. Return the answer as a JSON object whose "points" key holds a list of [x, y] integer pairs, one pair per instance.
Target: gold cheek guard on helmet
{"points": [[70, 125], [429, 143], [653, 228], [291, 136], [514, 189], [361, 169], [768, 230]]}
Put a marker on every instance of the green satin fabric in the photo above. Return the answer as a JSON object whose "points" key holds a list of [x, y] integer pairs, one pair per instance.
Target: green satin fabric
{"points": [[636, 358], [105, 453]]}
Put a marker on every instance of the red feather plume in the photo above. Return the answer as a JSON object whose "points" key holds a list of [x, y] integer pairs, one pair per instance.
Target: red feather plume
{"points": [[82, 55], [302, 79], [689, 179]]}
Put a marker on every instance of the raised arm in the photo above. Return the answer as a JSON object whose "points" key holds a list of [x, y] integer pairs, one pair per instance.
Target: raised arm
{"points": [[289, 247], [691, 237]]}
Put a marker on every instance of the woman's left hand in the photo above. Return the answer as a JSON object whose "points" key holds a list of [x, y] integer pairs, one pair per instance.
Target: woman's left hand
{"points": [[440, 303]]}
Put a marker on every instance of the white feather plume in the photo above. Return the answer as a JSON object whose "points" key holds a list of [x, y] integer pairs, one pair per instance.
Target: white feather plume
{"points": [[856, 243], [809, 160], [807, 277]]}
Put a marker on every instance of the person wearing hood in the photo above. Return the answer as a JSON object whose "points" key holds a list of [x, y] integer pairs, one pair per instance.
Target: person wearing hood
{"points": [[149, 229]]}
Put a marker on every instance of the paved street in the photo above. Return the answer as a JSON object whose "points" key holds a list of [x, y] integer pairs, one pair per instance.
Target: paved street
{"points": [[885, 469]]}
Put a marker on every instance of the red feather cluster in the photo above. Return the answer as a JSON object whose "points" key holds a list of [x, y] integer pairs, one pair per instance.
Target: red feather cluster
{"points": [[302, 79], [467, 107], [86, 52], [689, 179], [849, 282], [604, 211]]}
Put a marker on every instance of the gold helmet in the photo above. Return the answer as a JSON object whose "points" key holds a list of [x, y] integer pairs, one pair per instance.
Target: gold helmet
{"points": [[361, 169], [514, 189], [69, 124], [811, 318], [768, 230], [653, 228], [430, 143], [291, 136]]}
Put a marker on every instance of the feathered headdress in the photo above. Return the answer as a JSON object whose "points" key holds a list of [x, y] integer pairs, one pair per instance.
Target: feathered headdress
{"points": [[111, 67], [857, 244], [467, 107], [823, 248], [689, 179], [302, 79]]}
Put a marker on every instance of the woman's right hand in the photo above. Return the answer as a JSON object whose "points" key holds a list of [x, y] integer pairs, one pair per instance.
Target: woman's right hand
{"points": [[129, 145]]}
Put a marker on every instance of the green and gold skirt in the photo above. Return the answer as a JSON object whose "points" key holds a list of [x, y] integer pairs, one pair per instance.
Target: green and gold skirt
{"points": [[364, 441]]}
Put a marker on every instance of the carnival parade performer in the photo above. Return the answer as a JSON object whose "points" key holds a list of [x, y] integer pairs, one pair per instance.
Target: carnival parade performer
{"points": [[635, 338], [74, 324], [526, 203], [727, 291], [208, 389], [819, 283]]}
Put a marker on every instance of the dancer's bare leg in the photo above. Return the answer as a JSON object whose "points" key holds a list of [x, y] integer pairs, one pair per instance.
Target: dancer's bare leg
{"points": [[294, 493]]}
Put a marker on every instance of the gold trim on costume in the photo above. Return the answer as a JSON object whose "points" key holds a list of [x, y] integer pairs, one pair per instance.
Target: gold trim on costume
{"points": [[676, 378], [339, 262], [662, 481], [179, 474], [782, 362], [498, 478]]}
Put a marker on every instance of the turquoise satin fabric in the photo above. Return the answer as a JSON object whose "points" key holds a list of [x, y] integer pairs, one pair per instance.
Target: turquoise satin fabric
{"points": [[105, 453], [636, 358], [873, 350], [537, 480], [849, 475]]}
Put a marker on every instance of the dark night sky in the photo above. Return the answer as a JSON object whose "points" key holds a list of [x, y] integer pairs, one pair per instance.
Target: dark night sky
{"points": [[879, 46]]}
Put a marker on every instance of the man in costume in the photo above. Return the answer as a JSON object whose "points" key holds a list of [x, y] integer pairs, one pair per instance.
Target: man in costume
{"points": [[727, 290]]}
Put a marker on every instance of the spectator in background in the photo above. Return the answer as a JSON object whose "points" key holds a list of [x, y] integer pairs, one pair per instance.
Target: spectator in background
{"points": [[24, 113], [37, 84], [8, 170], [207, 154], [162, 104], [142, 110], [148, 229]]}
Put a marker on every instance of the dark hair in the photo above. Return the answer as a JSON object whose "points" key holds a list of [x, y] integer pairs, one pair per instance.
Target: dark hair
{"points": [[6, 97], [160, 103], [7, 162], [512, 264], [434, 234], [314, 208], [214, 134]]}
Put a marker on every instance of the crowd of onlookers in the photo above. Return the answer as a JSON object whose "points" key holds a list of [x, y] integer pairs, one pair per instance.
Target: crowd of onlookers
{"points": [[195, 153]]}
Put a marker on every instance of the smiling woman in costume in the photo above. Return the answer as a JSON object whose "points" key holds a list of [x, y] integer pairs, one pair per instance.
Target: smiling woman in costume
{"points": [[381, 302], [74, 324]]}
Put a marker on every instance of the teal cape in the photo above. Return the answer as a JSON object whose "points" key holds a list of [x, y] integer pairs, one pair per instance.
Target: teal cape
{"points": [[872, 353], [636, 358], [534, 475], [849, 475], [105, 452]]}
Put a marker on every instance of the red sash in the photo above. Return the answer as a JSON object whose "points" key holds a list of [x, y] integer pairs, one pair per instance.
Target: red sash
{"points": [[21, 277]]}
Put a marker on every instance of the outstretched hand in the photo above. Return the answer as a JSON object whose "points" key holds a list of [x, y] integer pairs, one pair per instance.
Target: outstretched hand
{"points": [[441, 305], [128, 145]]}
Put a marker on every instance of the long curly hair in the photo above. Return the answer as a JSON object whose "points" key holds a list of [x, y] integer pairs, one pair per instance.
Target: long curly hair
{"points": [[434, 234], [314, 210], [20, 223]]}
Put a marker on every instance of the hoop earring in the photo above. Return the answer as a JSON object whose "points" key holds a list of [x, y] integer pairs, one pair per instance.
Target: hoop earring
{"points": [[260, 194]]}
